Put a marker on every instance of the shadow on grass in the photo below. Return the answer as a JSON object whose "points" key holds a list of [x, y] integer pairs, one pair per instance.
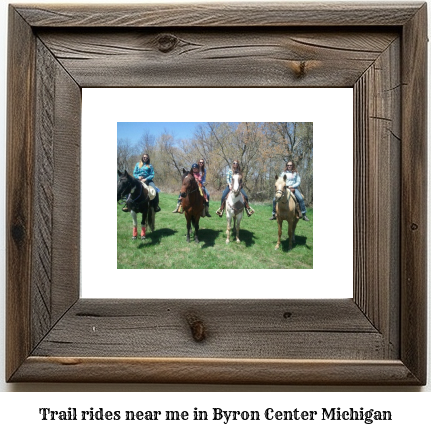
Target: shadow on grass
{"points": [[208, 236], [154, 238], [299, 241], [245, 236]]}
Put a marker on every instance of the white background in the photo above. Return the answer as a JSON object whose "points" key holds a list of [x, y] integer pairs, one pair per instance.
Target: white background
{"points": [[411, 408], [330, 110]]}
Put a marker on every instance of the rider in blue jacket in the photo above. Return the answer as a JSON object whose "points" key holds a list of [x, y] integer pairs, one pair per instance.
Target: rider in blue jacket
{"points": [[144, 172], [293, 180]]}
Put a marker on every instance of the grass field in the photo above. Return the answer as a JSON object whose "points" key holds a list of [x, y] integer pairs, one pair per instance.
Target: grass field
{"points": [[167, 248]]}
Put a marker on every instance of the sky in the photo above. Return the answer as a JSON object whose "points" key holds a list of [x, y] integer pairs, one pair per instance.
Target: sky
{"points": [[134, 131]]}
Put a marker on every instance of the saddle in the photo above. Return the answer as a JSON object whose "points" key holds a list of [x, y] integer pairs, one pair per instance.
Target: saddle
{"points": [[298, 212], [152, 193]]}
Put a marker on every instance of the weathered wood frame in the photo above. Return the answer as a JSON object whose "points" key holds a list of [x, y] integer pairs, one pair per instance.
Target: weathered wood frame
{"points": [[378, 337]]}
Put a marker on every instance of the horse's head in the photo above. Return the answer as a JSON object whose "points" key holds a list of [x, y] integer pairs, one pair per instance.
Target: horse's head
{"points": [[187, 180], [236, 184], [280, 187], [124, 184]]}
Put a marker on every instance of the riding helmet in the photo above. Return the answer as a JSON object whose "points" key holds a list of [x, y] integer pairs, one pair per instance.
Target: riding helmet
{"points": [[195, 165]]}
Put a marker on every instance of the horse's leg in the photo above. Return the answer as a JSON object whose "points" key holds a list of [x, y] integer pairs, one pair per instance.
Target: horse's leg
{"points": [[228, 218], [280, 222], [143, 223], [295, 222], [151, 218], [189, 227], [238, 223], [135, 224], [291, 234], [197, 229]]}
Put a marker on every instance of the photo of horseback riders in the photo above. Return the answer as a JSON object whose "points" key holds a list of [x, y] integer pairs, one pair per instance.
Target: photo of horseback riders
{"points": [[192, 183]]}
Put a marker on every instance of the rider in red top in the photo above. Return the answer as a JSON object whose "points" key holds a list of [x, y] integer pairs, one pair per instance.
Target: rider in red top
{"points": [[198, 176]]}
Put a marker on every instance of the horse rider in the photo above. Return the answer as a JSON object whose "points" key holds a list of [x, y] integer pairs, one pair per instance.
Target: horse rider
{"points": [[293, 180], [144, 172], [197, 173], [203, 173], [235, 169]]}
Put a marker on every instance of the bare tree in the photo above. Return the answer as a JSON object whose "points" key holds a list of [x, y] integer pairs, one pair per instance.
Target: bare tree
{"points": [[261, 148], [125, 154]]}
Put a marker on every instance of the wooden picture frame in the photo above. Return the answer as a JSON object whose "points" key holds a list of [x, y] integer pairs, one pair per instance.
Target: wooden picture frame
{"points": [[378, 337]]}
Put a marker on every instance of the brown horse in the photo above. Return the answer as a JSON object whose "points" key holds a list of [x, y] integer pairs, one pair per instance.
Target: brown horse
{"points": [[192, 202], [285, 209]]}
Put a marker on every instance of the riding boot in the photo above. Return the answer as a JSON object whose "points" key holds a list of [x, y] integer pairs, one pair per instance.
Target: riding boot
{"points": [[125, 209], [305, 218], [155, 204], [220, 211], [273, 217], [248, 209], [177, 209], [207, 209]]}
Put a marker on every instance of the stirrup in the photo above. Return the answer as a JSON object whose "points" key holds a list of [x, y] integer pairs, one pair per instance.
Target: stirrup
{"points": [[249, 211], [125, 209], [219, 212]]}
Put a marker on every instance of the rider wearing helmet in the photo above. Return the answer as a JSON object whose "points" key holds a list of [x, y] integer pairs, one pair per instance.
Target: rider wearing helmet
{"points": [[198, 176]]}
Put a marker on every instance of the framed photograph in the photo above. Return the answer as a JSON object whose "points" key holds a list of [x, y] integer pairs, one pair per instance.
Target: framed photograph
{"points": [[165, 247], [376, 337]]}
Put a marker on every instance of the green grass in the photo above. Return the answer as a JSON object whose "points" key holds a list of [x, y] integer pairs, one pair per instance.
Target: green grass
{"points": [[167, 248]]}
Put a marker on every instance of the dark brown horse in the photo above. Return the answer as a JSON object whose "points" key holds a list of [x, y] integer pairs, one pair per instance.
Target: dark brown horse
{"points": [[192, 202], [138, 201]]}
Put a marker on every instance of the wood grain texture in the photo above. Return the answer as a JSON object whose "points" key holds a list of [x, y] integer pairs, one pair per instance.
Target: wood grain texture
{"points": [[378, 337], [19, 198], [228, 58], [413, 193], [57, 190], [377, 192], [234, 329], [215, 371], [213, 14]]}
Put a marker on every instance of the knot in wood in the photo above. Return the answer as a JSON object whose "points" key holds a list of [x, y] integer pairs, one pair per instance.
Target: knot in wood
{"points": [[18, 233], [167, 42], [197, 328], [300, 69], [414, 226]]}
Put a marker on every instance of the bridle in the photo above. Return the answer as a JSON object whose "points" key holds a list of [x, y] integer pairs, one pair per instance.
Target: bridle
{"points": [[141, 189], [192, 178], [282, 192]]}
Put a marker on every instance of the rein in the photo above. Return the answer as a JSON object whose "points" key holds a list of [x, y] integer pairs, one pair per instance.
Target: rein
{"points": [[140, 193], [284, 194], [197, 187]]}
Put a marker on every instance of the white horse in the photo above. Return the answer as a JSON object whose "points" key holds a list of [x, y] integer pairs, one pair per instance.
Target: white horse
{"points": [[234, 206]]}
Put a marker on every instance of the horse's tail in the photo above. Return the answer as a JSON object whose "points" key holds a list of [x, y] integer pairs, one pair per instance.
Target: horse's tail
{"points": [[151, 218]]}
